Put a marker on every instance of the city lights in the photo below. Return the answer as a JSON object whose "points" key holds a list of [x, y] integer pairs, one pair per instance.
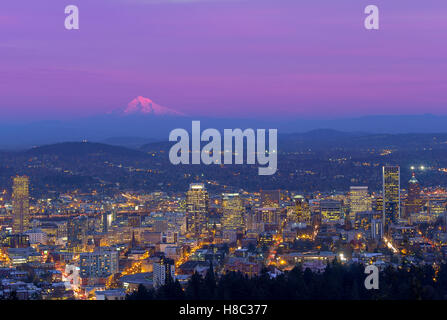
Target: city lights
{"points": [[293, 151]]}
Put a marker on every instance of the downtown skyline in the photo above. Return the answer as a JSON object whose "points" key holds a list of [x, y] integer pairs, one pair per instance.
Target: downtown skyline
{"points": [[227, 157]]}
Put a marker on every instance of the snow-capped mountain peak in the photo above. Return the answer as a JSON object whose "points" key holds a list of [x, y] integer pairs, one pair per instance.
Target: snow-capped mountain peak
{"points": [[145, 106]]}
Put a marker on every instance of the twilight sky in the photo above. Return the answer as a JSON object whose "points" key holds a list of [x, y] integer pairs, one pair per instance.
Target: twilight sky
{"points": [[308, 58]]}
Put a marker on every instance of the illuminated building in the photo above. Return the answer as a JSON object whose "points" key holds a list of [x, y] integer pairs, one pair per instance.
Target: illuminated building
{"points": [[376, 229], [134, 221], [232, 211], [229, 235], [100, 263], [359, 200], [253, 222], [301, 209], [391, 195], [364, 219], [197, 205], [436, 206], [20, 204], [265, 239], [414, 202], [37, 236], [270, 198], [113, 294], [331, 209], [77, 233], [17, 240], [162, 271], [268, 217], [377, 204]]}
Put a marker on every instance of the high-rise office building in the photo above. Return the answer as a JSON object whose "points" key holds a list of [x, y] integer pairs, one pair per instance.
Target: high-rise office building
{"points": [[359, 201], [107, 217], [377, 203], [268, 216], [20, 204], [301, 209], [162, 271], [414, 201], [391, 195], [197, 205], [233, 209], [77, 233], [331, 209]]}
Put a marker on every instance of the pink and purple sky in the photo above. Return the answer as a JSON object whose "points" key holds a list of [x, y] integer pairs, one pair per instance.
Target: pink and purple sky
{"points": [[307, 58]]}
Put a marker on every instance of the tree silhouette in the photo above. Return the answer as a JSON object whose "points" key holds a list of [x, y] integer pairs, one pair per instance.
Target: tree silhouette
{"points": [[338, 281]]}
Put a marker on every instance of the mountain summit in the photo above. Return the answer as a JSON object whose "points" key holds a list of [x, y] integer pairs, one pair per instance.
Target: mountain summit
{"points": [[145, 106]]}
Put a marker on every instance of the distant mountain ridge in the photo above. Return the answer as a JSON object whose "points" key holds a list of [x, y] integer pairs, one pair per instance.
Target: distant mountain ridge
{"points": [[129, 142], [82, 148], [325, 139], [156, 125], [316, 140], [322, 139]]}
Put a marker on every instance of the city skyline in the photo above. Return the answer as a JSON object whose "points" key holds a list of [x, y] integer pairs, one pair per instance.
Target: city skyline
{"points": [[159, 242], [242, 152]]}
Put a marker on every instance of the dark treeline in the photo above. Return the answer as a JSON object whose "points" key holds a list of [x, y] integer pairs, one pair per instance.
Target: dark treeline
{"points": [[337, 282]]}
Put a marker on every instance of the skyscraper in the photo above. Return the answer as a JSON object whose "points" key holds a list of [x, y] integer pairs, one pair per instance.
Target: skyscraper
{"points": [[20, 204], [197, 204], [77, 233], [301, 209], [391, 195], [331, 209], [232, 211], [414, 202], [359, 201]]}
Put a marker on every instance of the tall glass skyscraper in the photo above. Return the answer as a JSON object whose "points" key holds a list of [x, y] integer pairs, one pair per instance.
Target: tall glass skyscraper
{"points": [[197, 204], [232, 211], [391, 195], [414, 201], [20, 204]]}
